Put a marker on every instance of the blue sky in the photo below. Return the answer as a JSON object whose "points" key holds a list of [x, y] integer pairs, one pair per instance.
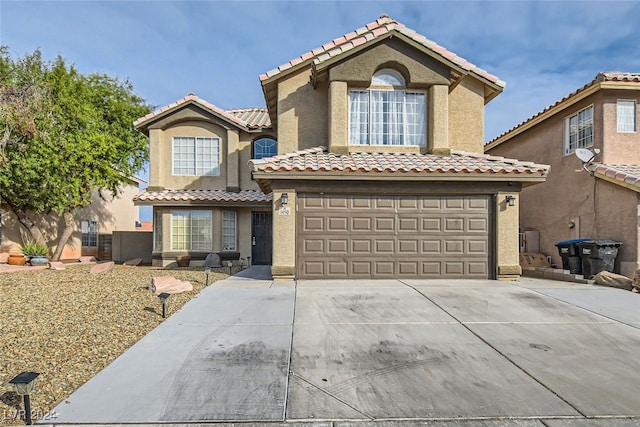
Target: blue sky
{"points": [[217, 49]]}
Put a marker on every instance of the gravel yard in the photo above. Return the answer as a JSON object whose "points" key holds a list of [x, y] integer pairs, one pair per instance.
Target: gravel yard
{"points": [[69, 324]]}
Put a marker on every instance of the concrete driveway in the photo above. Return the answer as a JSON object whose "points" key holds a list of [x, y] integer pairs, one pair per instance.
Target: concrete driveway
{"points": [[386, 352]]}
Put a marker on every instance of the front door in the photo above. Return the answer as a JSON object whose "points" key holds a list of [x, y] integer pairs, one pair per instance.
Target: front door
{"points": [[261, 238]]}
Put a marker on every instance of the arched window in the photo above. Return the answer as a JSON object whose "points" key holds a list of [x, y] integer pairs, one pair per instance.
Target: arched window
{"points": [[264, 147], [387, 113]]}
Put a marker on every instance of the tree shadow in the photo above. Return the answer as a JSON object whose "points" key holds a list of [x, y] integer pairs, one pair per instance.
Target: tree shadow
{"points": [[11, 398]]}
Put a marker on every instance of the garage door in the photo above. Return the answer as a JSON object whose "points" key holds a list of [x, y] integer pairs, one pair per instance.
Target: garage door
{"points": [[364, 236]]}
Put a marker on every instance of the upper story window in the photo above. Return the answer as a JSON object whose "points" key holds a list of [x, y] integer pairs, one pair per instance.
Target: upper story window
{"points": [[386, 113], [196, 156], [578, 130], [264, 147], [626, 115]]}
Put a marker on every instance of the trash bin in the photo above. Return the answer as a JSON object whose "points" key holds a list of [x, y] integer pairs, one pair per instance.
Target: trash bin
{"points": [[598, 255], [570, 254]]}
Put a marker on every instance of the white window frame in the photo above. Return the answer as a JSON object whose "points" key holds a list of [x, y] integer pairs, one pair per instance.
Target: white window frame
{"points": [[387, 87], [573, 125], [619, 122], [89, 233], [189, 240], [229, 231], [195, 156], [157, 231]]}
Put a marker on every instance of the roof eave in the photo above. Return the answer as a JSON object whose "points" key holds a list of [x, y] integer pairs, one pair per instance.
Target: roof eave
{"points": [[199, 203], [613, 180]]}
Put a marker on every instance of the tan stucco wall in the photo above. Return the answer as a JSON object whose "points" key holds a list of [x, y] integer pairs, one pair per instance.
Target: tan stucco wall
{"points": [[302, 113], [235, 153], [508, 263], [118, 214], [466, 116], [570, 196], [619, 147], [284, 233]]}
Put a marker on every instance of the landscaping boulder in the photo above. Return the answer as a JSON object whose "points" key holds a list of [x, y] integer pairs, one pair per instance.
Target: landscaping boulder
{"points": [[636, 281], [606, 278], [4, 257], [212, 261], [56, 265], [169, 284], [85, 259], [133, 262], [102, 267]]}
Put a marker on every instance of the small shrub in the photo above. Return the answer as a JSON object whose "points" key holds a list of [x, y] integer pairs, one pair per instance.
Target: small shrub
{"points": [[34, 249]]}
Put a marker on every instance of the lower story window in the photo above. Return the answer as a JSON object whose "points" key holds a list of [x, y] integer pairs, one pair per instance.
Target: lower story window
{"points": [[228, 230], [89, 233], [191, 230]]}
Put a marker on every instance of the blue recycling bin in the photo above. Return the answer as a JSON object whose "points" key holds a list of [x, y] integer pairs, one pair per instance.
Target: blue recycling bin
{"points": [[570, 254]]}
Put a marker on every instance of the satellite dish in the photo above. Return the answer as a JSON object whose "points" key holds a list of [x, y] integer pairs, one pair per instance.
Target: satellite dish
{"points": [[585, 155]]}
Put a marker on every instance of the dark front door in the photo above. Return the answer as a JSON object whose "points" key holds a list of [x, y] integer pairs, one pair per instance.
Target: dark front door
{"points": [[261, 238]]}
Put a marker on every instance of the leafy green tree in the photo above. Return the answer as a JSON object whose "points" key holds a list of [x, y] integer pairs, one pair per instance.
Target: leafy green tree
{"points": [[84, 140]]}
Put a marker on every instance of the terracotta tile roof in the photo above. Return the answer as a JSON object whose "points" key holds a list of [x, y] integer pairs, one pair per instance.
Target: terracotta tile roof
{"points": [[623, 173], [606, 76], [255, 117], [372, 31], [319, 160], [249, 118], [203, 196]]}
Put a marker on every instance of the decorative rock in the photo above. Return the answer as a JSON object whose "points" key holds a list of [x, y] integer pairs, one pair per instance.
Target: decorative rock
{"points": [[4, 256], [133, 262], [169, 284], [212, 261], [102, 267], [636, 281], [606, 278], [56, 265], [87, 259]]}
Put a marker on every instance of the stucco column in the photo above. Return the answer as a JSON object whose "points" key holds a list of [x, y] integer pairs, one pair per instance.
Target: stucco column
{"points": [[233, 154], [438, 120], [338, 118], [156, 157], [507, 223], [284, 235]]}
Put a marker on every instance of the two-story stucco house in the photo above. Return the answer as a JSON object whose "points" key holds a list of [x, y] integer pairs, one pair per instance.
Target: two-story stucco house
{"points": [[600, 200], [379, 172]]}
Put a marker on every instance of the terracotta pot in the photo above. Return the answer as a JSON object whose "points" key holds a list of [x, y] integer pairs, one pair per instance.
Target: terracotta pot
{"points": [[183, 261], [16, 259]]}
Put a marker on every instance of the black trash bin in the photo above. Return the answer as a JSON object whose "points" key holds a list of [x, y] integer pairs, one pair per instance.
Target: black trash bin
{"points": [[598, 255], [570, 254]]}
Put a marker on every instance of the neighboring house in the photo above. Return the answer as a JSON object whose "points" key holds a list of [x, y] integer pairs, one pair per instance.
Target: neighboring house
{"points": [[601, 201], [94, 224], [379, 171]]}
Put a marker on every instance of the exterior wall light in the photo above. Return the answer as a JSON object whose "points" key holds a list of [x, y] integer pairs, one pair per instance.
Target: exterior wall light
{"points": [[163, 299], [24, 384], [284, 199], [511, 201]]}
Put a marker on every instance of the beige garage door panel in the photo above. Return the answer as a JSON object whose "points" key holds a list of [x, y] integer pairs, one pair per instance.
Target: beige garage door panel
{"points": [[393, 236]]}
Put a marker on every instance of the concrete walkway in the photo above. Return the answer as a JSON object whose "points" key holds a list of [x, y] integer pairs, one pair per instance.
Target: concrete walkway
{"points": [[250, 351]]}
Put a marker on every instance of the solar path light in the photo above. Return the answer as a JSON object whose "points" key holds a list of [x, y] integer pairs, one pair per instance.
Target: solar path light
{"points": [[24, 384], [163, 299]]}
